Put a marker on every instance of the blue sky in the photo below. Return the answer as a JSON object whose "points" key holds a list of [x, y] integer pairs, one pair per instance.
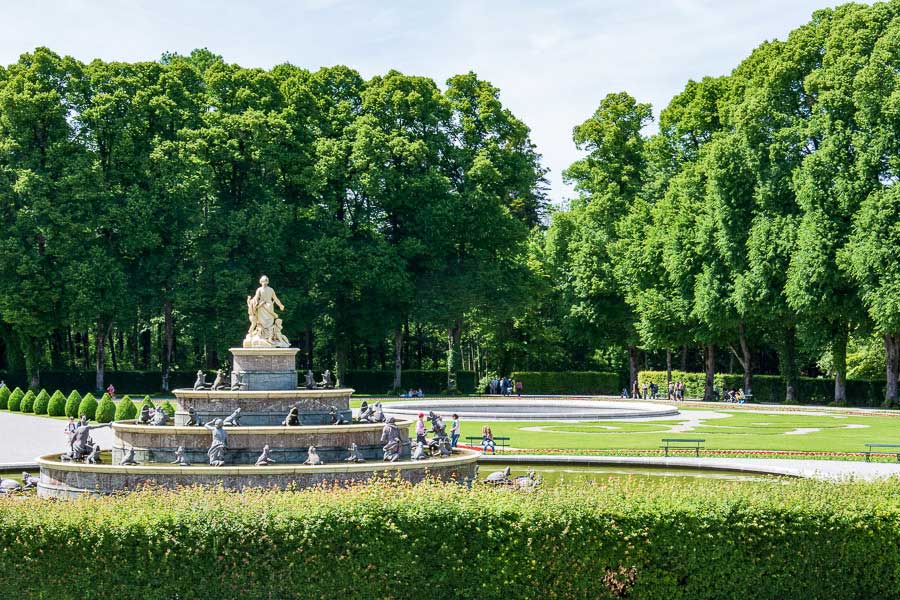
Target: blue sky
{"points": [[553, 61]]}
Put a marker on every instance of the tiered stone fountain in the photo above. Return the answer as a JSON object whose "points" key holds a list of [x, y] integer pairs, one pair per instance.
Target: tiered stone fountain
{"points": [[264, 387]]}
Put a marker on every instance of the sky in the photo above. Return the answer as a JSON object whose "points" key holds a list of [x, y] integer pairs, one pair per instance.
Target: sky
{"points": [[553, 61]]}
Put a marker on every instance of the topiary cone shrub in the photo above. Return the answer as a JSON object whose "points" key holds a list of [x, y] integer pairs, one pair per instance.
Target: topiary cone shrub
{"points": [[42, 403], [126, 409], [146, 402], [88, 407], [72, 404], [106, 410], [57, 405], [28, 402], [168, 409], [4, 397], [15, 400]]}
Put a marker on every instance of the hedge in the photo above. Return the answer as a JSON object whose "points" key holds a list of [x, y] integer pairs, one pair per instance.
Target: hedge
{"points": [[627, 538], [4, 397], [27, 402], [57, 405], [771, 388], [15, 399], [42, 403], [379, 382], [88, 407], [72, 404], [569, 382], [125, 409], [168, 408]]}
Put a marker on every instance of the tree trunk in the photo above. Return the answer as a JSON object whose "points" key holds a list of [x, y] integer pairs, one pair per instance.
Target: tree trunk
{"points": [[341, 347], [169, 344], [632, 366], [420, 347], [112, 354], [31, 355], [398, 358], [839, 363], [788, 359], [708, 386], [668, 367], [684, 359], [892, 358], [308, 346], [746, 361], [85, 350], [453, 355], [100, 354]]}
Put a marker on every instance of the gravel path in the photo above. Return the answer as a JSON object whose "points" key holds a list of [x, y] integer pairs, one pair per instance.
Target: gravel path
{"points": [[25, 437]]}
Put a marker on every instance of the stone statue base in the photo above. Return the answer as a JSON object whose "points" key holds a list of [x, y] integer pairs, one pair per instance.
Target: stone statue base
{"points": [[258, 369], [254, 341]]}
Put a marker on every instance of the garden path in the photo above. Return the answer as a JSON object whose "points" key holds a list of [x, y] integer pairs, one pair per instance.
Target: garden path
{"points": [[25, 437]]}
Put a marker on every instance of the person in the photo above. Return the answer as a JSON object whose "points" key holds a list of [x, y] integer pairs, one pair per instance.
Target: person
{"points": [[624, 392], [487, 440], [654, 391], [454, 430], [634, 389], [111, 390], [493, 386], [420, 429], [420, 393], [519, 387], [670, 394], [644, 391]]}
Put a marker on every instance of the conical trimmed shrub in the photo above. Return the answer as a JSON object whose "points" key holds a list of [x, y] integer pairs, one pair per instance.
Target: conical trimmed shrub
{"points": [[57, 406], [126, 409], [168, 409], [15, 399], [106, 410], [88, 407], [28, 402], [72, 404], [42, 403], [147, 402], [4, 397]]}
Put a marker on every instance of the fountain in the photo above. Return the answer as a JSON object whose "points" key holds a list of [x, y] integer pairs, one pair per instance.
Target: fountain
{"points": [[259, 430]]}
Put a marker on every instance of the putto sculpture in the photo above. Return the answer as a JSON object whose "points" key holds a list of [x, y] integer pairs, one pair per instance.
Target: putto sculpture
{"points": [[265, 325], [264, 458], [216, 450], [81, 443], [392, 450], [313, 457]]}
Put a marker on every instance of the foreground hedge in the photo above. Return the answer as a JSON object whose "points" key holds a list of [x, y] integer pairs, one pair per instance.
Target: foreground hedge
{"points": [[628, 537], [569, 382], [771, 388]]}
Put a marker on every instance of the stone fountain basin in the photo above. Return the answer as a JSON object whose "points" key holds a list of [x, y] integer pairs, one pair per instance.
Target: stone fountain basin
{"points": [[287, 444], [530, 409], [70, 480], [266, 408]]}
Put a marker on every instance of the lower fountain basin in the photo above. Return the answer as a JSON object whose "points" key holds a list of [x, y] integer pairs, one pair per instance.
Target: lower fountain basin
{"points": [[71, 480]]}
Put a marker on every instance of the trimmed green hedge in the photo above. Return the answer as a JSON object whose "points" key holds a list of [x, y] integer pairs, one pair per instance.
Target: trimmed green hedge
{"points": [[4, 397], [42, 403], [88, 407], [626, 538], [379, 382], [125, 409], [569, 382], [57, 405], [72, 404], [27, 402], [15, 400], [771, 388], [106, 410]]}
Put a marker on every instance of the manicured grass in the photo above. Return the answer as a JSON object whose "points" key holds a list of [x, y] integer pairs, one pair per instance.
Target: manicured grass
{"points": [[735, 430]]}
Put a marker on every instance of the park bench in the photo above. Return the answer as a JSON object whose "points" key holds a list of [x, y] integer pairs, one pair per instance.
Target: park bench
{"points": [[499, 442], [872, 449], [685, 443]]}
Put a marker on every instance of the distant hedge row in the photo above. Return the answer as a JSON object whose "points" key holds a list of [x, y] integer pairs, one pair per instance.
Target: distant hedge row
{"points": [[626, 538], [771, 388], [75, 405], [569, 382], [364, 381]]}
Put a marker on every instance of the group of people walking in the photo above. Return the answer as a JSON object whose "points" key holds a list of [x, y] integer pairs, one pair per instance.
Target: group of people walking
{"points": [[505, 386], [650, 391]]}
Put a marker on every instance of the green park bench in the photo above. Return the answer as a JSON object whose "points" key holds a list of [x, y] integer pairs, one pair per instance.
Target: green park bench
{"points": [[499, 442], [682, 443], [873, 449]]}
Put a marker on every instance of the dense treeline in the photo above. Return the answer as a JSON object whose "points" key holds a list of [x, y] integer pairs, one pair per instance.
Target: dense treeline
{"points": [[763, 214], [141, 202]]}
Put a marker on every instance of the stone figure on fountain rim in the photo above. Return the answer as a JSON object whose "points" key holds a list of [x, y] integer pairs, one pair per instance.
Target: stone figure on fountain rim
{"points": [[265, 324], [216, 450]]}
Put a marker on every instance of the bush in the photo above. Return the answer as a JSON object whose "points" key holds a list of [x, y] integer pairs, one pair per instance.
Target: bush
{"points": [[15, 400], [167, 408], [126, 409], [42, 403], [28, 402], [4, 397], [771, 388], [57, 405], [88, 407], [72, 404], [106, 410], [626, 538], [568, 382], [377, 382], [147, 402]]}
